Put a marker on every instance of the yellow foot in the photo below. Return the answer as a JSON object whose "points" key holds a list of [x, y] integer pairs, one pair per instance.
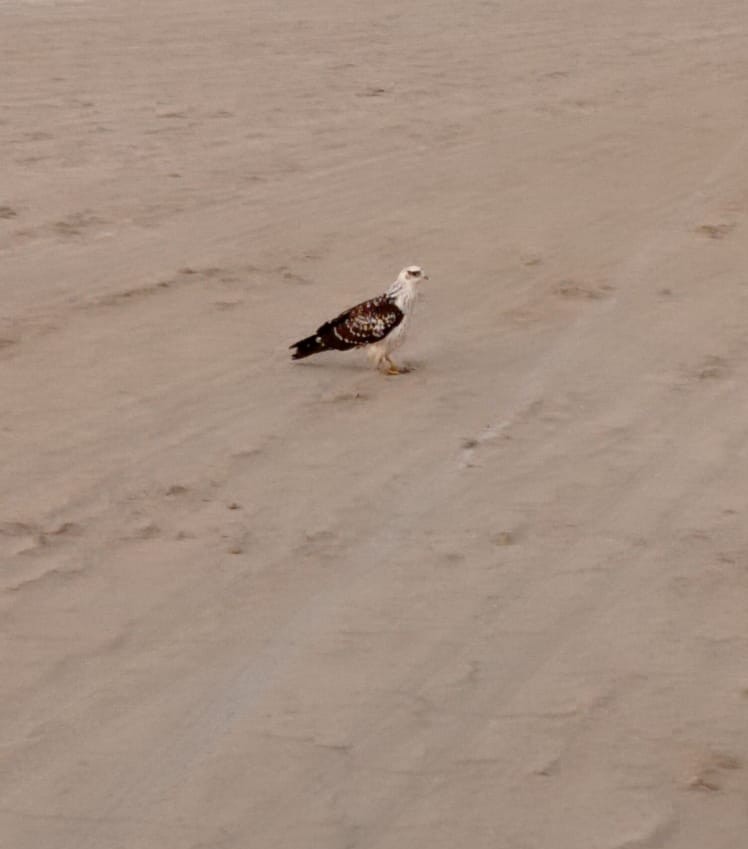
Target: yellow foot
{"points": [[393, 369]]}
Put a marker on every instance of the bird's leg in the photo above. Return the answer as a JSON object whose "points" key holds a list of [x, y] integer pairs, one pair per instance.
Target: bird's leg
{"points": [[385, 364], [392, 368]]}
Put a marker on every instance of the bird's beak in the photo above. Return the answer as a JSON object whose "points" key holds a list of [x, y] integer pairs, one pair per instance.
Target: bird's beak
{"points": [[425, 277]]}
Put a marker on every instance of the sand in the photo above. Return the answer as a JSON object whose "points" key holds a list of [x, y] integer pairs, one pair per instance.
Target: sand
{"points": [[497, 602]]}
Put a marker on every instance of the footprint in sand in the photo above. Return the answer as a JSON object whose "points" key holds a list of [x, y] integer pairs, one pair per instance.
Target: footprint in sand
{"points": [[24, 537], [712, 368], [225, 306], [150, 530], [715, 231], [7, 342], [574, 290], [712, 769], [237, 538], [18, 537], [505, 538], [181, 277], [319, 543], [246, 455], [344, 398], [129, 295], [292, 277], [75, 224]]}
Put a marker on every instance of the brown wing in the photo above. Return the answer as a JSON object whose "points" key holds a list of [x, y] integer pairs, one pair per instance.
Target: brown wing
{"points": [[363, 324]]}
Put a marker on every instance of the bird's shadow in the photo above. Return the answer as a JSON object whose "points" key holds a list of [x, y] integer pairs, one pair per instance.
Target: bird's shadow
{"points": [[408, 366]]}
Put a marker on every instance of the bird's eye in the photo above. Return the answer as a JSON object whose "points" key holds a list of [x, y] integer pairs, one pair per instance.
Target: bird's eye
{"points": [[415, 273]]}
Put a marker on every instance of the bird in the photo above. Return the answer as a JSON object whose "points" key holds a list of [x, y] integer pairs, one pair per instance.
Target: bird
{"points": [[379, 324]]}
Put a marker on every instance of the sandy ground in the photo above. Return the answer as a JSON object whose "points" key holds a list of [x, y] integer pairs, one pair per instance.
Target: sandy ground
{"points": [[498, 602]]}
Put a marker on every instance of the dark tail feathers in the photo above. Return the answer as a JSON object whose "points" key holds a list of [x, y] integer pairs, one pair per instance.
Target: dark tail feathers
{"points": [[307, 347]]}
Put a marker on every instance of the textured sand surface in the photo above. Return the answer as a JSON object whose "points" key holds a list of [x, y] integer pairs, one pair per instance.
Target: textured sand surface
{"points": [[500, 602]]}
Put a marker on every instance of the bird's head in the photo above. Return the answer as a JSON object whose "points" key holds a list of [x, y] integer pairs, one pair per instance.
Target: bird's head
{"points": [[412, 274]]}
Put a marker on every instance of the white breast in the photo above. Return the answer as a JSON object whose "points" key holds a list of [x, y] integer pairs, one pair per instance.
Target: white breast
{"points": [[404, 296]]}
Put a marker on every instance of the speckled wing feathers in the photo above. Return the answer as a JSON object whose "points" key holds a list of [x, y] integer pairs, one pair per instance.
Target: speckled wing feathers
{"points": [[364, 324]]}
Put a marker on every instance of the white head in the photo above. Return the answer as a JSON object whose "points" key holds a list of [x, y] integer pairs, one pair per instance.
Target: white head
{"points": [[412, 274], [405, 289]]}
